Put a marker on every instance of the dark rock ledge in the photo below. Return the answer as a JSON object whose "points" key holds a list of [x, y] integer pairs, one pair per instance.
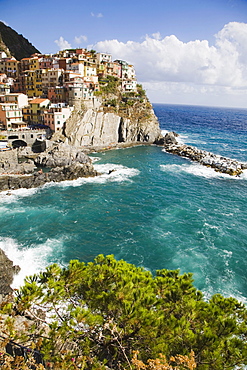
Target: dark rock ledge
{"points": [[64, 162], [218, 163]]}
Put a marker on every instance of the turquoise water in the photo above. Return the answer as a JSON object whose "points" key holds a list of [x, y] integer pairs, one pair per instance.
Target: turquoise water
{"points": [[155, 210]]}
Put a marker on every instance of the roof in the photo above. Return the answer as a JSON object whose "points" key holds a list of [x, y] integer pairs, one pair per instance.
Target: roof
{"points": [[37, 101]]}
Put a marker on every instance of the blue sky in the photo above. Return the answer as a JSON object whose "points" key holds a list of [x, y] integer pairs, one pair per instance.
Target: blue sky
{"points": [[184, 52]]}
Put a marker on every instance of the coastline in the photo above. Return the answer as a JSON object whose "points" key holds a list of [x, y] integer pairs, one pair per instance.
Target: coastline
{"points": [[75, 170]]}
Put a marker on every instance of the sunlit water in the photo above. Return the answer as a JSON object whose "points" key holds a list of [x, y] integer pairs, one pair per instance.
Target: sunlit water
{"points": [[155, 209]]}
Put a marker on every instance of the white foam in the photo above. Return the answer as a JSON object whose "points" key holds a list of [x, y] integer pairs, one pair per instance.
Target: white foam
{"points": [[228, 291], [164, 132], [31, 260], [211, 226], [113, 172], [108, 173], [11, 196], [95, 159], [197, 169]]}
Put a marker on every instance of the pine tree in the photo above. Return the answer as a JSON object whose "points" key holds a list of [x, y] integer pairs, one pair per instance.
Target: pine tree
{"points": [[101, 312]]}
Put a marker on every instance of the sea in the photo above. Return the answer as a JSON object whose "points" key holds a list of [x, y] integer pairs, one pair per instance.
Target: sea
{"points": [[153, 209]]}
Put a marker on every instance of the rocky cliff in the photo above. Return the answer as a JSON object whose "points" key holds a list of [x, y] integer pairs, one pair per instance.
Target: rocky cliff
{"points": [[14, 44], [104, 123]]}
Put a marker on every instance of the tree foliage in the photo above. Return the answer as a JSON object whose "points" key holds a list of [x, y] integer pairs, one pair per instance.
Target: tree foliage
{"points": [[101, 312]]}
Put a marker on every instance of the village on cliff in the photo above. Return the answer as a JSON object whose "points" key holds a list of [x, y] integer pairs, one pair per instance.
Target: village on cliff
{"points": [[44, 89]]}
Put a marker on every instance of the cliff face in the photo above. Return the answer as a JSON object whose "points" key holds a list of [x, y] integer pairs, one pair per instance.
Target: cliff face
{"points": [[13, 43], [97, 124]]}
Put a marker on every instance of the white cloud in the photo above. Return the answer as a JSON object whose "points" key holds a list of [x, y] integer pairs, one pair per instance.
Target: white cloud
{"points": [[192, 94], [62, 44], [98, 15], [156, 36], [193, 64], [80, 39]]}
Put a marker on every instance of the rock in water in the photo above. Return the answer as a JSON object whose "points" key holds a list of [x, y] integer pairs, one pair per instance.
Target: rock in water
{"points": [[217, 162]]}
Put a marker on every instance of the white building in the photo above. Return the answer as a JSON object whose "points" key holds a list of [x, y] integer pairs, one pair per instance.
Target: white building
{"points": [[56, 116], [129, 85], [18, 98], [103, 57], [11, 116]]}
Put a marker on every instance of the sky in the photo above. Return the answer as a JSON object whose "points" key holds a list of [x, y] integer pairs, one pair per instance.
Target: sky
{"points": [[184, 51]]}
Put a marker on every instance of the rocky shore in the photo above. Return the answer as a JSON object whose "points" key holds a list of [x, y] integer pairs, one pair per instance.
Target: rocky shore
{"points": [[59, 163], [218, 163]]}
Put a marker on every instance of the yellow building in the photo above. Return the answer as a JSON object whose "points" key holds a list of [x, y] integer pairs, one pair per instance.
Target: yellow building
{"points": [[35, 112], [30, 90], [34, 63], [34, 83], [9, 66], [38, 82]]}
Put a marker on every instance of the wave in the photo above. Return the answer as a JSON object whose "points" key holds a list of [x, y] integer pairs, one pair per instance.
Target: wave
{"points": [[10, 196], [31, 259], [197, 169], [95, 159], [108, 173]]}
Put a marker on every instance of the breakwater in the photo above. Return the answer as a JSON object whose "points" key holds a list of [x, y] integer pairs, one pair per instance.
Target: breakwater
{"points": [[218, 163]]}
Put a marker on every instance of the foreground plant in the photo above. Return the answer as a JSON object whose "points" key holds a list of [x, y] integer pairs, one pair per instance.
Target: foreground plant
{"points": [[99, 313]]}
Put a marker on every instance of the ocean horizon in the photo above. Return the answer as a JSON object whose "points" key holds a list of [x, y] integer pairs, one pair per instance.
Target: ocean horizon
{"points": [[155, 210]]}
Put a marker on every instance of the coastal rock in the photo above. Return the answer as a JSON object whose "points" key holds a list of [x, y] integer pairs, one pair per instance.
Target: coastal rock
{"points": [[7, 272], [57, 174], [217, 162], [9, 163], [60, 155], [66, 163]]}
